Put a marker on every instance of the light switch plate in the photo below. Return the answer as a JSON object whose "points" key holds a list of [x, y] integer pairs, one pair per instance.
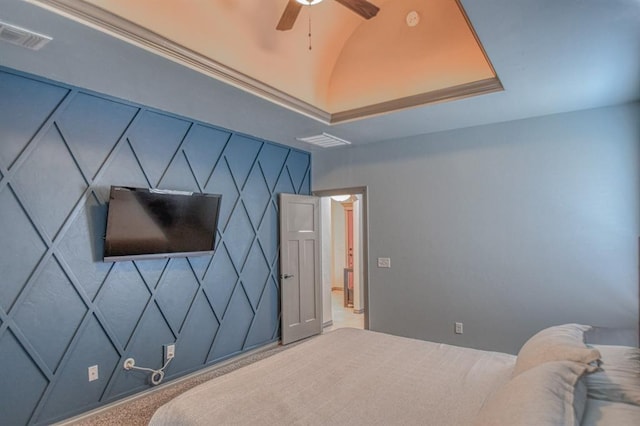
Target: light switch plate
{"points": [[459, 329], [384, 262]]}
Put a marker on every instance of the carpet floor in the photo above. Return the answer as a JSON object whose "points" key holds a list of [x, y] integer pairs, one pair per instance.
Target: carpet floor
{"points": [[139, 411]]}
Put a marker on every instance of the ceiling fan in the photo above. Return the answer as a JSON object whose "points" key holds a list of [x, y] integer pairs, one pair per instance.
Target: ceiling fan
{"points": [[361, 7]]}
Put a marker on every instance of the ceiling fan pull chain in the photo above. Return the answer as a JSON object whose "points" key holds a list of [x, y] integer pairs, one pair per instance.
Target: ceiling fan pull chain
{"points": [[309, 27]]}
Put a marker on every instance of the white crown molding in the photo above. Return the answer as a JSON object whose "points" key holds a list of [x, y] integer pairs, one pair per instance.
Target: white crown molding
{"points": [[116, 26], [447, 94], [130, 32]]}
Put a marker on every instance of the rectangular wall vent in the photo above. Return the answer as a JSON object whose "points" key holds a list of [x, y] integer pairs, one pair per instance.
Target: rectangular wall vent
{"points": [[22, 37], [325, 140]]}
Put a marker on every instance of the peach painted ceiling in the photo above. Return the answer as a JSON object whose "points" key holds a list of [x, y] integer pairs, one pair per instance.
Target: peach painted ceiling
{"points": [[353, 63]]}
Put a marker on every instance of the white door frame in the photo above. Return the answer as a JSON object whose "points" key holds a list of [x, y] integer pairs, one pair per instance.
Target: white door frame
{"points": [[363, 192]]}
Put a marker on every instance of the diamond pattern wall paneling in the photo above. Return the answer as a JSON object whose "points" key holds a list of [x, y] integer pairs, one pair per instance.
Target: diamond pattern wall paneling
{"points": [[62, 309]]}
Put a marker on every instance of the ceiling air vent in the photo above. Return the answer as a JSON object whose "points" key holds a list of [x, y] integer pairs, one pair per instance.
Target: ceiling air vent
{"points": [[325, 140], [22, 37]]}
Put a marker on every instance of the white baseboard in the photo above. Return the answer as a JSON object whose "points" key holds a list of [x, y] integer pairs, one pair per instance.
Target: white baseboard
{"points": [[327, 324], [358, 311]]}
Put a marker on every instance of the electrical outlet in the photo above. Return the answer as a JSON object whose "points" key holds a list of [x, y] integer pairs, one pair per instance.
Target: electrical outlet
{"points": [[169, 351], [93, 373], [459, 328]]}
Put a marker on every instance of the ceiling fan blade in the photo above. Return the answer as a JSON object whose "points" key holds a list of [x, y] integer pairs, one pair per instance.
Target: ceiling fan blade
{"points": [[289, 16], [361, 7]]}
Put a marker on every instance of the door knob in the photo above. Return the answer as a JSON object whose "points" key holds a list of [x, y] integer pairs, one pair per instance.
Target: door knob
{"points": [[285, 276]]}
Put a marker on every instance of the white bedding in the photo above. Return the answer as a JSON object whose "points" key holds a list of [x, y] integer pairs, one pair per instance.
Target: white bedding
{"points": [[605, 413], [348, 376]]}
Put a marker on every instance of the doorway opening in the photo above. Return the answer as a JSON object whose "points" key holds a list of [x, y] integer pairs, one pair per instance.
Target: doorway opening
{"points": [[344, 245]]}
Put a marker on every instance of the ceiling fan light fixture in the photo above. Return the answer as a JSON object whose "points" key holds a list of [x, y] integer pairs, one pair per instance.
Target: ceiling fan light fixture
{"points": [[340, 198], [361, 7]]}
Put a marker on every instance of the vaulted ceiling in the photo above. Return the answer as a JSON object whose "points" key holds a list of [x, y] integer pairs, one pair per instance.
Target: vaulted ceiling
{"points": [[332, 65]]}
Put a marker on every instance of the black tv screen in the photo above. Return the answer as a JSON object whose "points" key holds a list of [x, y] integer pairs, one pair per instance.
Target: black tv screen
{"points": [[147, 223]]}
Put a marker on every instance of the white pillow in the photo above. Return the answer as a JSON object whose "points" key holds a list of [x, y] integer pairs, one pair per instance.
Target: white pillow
{"points": [[618, 379], [550, 394], [557, 343]]}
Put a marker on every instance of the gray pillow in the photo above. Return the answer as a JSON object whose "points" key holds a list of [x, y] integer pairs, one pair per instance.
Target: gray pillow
{"points": [[618, 378], [600, 413]]}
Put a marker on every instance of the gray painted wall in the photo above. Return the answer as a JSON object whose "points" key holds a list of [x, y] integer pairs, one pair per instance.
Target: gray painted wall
{"points": [[508, 228]]}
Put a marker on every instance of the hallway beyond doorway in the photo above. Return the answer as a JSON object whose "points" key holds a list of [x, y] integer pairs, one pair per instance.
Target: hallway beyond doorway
{"points": [[343, 317]]}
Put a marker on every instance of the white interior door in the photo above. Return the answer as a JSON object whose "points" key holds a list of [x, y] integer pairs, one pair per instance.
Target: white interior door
{"points": [[300, 284]]}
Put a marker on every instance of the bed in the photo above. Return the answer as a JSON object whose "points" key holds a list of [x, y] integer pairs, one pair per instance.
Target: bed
{"points": [[351, 376]]}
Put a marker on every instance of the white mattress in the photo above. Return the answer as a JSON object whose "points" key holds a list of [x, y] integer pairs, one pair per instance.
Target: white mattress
{"points": [[348, 376]]}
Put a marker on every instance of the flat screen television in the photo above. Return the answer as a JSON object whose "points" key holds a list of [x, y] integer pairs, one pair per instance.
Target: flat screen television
{"points": [[147, 223]]}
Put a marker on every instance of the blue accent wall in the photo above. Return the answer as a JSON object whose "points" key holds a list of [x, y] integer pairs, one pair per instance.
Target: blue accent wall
{"points": [[62, 309]]}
